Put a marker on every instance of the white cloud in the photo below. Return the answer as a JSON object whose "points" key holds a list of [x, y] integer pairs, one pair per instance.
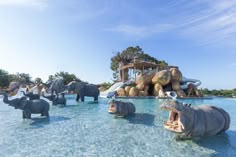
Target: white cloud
{"points": [[141, 31], [37, 4], [205, 22], [216, 23]]}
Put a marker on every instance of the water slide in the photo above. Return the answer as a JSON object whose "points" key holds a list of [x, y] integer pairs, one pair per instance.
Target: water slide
{"points": [[111, 91], [184, 85], [186, 81]]}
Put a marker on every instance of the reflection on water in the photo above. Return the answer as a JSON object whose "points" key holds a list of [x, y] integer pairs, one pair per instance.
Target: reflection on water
{"points": [[87, 129], [141, 118]]}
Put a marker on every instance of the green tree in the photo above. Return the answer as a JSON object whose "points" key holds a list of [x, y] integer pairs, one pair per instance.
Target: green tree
{"points": [[66, 76], [127, 56], [24, 78], [51, 77], [4, 78]]}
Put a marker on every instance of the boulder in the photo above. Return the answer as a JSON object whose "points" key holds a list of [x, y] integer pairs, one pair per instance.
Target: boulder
{"points": [[145, 78], [176, 74], [121, 92], [140, 86], [143, 93], [161, 94], [127, 88], [162, 77], [180, 93], [175, 85], [156, 89], [133, 91]]}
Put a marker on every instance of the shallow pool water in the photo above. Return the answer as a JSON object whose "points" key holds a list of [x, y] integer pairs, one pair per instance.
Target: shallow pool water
{"points": [[87, 129]]}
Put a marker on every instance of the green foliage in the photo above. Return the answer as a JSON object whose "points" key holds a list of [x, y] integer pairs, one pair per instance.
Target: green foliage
{"points": [[221, 92], [106, 85], [128, 55], [23, 78], [66, 76], [4, 78]]}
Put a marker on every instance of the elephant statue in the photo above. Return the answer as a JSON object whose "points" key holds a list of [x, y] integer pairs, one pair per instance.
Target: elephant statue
{"points": [[31, 96], [83, 89], [56, 100], [56, 86], [28, 107]]}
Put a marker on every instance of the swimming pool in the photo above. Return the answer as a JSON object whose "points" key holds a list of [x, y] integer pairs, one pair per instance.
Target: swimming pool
{"points": [[87, 129]]}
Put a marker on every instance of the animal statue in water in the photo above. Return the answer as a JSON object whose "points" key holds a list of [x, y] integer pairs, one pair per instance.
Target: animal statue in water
{"points": [[56, 86], [121, 108], [56, 100], [195, 121], [31, 96], [37, 106], [83, 89]]}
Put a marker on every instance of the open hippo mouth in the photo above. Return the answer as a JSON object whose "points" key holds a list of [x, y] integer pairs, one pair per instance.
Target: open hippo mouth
{"points": [[174, 120], [112, 109], [112, 106]]}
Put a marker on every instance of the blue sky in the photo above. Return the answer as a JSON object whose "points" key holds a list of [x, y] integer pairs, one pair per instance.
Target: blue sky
{"points": [[42, 37]]}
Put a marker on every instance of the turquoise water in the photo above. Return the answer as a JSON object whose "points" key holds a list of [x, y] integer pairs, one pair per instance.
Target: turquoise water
{"points": [[87, 129]]}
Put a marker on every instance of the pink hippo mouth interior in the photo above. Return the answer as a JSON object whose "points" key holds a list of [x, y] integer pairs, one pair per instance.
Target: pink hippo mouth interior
{"points": [[112, 108], [173, 123]]}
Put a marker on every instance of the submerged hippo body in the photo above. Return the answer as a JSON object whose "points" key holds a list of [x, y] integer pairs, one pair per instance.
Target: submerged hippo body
{"points": [[120, 108], [202, 120]]}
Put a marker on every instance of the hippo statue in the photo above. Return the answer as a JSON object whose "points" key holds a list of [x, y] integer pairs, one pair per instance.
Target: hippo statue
{"points": [[120, 108], [195, 121]]}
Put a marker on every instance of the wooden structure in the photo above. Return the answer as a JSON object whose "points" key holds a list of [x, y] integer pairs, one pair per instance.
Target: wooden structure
{"points": [[140, 65]]}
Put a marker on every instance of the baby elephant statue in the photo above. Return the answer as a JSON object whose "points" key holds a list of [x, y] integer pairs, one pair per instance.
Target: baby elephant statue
{"points": [[83, 89], [120, 108], [37, 106], [195, 121], [31, 96], [56, 100]]}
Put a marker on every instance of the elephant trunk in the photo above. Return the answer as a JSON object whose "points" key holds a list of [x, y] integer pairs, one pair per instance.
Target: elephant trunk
{"points": [[23, 92], [5, 98], [46, 84]]}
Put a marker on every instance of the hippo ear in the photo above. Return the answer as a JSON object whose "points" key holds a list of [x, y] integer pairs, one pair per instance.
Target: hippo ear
{"points": [[189, 105]]}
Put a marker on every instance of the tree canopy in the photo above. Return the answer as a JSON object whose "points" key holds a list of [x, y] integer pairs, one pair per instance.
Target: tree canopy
{"points": [[4, 78], [66, 76], [221, 92], [128, 55]]}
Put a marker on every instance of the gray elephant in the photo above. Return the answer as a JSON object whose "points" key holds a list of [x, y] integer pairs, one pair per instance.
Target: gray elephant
{"points": [[56, 100], [56, 86], [38, 106], [83, 89], [31, 96]]}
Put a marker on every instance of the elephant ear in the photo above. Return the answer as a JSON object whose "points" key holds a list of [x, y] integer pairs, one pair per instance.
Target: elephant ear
{"points": [[22, 103], [80, 86]]}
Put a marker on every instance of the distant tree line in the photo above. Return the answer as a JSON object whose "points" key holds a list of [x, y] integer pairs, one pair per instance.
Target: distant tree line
{"points": [[221, 92], [24, 78]]}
